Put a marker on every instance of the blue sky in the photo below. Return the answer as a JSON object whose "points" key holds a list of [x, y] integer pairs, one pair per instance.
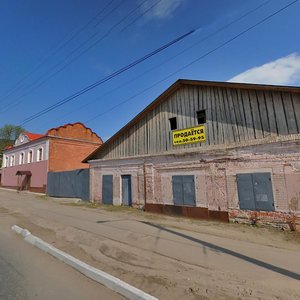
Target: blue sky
{"points": [[46, 54]]}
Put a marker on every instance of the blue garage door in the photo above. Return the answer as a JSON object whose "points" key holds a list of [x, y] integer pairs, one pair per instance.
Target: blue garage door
{"points": [[184, 190], [255, 191]]}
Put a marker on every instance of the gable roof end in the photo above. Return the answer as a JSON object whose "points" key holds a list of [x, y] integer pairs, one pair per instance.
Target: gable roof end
{"points": [[187, 82]]}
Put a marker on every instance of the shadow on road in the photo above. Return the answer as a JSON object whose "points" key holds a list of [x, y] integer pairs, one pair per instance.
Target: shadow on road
{"points": [[229, 252]]}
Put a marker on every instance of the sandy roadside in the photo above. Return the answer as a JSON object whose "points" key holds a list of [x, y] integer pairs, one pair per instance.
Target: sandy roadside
{"points": [[168, 257]]}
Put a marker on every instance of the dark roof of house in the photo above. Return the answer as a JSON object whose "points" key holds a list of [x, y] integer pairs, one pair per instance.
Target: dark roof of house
{"points": [[183, 82]]}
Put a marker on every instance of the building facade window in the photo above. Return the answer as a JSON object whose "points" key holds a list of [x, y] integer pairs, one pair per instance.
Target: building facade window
{"points": [[6, 163], [40, 154], [201, 116], [173, 123], [21, 158], [30, 156], [12, 160]]}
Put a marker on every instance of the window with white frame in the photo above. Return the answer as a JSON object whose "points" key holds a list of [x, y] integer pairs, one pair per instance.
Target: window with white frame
{"points": [[40, 154], [22, 158], [12, 160], [6, 162], [30, 156]]}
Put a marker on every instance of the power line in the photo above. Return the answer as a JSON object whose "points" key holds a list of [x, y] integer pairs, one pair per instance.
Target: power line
{"points": [[11, 105], [178, 54], [65, 100], [105, 79], [194, 61], [60, 46], [37, 85], [140, 16]]}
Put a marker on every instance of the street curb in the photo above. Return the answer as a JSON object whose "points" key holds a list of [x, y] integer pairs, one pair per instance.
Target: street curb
{"points": [[106, 279]]}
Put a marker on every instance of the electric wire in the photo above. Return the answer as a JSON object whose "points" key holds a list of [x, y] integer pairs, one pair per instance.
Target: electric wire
{"points": [[36, 85], [193, 62], [107, 78], [65, 100], [140, 16], [53, 52], [172, 57], [4, 109]]}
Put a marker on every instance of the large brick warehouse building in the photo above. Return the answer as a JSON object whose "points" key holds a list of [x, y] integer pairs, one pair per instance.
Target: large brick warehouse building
{"points": [[208, 150]]}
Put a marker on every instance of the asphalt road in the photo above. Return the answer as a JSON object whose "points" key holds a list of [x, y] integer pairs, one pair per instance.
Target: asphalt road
{"points": [[28, 273]]}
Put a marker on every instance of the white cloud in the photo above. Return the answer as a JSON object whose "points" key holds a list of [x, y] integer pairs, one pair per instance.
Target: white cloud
{"points": [[283, 71], [164, 9]]}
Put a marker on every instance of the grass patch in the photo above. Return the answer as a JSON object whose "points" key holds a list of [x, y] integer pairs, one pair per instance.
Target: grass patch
{"points": [[118, 208], [73, 204], [42, 197], [106, 207]]}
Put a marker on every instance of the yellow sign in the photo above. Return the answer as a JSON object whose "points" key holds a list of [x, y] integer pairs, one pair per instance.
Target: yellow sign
{"points": [[189, 135]]}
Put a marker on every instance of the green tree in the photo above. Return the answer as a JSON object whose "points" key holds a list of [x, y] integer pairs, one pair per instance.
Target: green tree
{"points": [[8, 134]]}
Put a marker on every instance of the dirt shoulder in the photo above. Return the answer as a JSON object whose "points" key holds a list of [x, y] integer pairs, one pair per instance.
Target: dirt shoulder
{"points": [[264, 235], [168, 257]]}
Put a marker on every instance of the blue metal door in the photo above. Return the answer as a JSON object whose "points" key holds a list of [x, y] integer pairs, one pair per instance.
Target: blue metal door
{"points": [[177, 190], [107, 189], [126, 190], [184, 190], [263, 191], [255, 191], [245, 191]]}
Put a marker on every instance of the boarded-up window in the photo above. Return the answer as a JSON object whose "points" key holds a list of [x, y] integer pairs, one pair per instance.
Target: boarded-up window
{"points": [[184, 190]]}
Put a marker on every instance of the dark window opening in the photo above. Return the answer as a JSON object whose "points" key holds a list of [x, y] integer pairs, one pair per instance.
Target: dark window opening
{"points": [[173, 123], [201, 116]]}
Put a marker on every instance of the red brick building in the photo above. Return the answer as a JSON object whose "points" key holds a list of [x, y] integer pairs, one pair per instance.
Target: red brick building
{"points": [[27, 163]]}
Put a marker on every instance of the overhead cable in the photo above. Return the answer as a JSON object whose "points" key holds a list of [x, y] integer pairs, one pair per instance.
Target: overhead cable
{"points": [[107, 78]]}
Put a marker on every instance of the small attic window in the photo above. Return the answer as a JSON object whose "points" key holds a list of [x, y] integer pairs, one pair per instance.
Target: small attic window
{"points": [[173, 123], [201, 116]]}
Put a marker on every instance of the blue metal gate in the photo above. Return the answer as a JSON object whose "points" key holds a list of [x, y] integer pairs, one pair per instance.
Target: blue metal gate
{"points": [[69, 184]]}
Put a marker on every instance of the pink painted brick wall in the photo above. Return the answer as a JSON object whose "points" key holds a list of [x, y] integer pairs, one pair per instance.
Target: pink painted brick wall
{"points": [[38, 170]]}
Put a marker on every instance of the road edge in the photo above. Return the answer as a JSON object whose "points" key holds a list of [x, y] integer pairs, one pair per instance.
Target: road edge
{"points": [[111, 282]]}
